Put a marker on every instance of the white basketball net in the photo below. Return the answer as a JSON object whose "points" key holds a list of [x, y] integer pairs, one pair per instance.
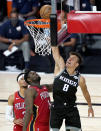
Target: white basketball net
{"points": [[41, 37]]}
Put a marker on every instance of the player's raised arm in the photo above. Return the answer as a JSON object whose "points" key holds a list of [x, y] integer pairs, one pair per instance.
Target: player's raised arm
{"points": [[86, 94], [59, 62]]}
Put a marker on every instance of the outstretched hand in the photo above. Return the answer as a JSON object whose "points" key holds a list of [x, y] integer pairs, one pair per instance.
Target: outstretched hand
{"points": [[90, 112], [18, 121]]}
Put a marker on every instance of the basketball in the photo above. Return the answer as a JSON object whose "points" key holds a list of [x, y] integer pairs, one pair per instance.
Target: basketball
{"points": [[45, 11]]}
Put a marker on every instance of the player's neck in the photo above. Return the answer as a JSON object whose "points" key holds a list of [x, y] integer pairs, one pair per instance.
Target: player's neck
{"points": [[22, 92], [70, 71], [35, 84]]}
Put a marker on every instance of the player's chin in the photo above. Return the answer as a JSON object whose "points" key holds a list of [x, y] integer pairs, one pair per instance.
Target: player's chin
{"points": [[24, 86]]}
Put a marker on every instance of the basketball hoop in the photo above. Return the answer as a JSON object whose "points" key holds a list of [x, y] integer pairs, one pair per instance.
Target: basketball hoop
{"points": [[40, 31]]}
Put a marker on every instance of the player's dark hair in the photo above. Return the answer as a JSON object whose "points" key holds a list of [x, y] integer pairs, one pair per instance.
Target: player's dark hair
{"points": [[80, 59], [26, 77]]}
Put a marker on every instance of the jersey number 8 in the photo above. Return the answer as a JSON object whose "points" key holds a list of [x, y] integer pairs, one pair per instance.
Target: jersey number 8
{"points": [[65, 88]]}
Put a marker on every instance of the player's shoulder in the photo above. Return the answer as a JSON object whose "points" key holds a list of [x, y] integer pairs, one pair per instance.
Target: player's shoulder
{"points": [[30, 91], [82, 79], [11, 98], [59, 73]]}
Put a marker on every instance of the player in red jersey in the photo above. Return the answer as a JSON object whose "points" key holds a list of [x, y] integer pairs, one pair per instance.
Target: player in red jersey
{"points": [[37, 101], [16, 106]]}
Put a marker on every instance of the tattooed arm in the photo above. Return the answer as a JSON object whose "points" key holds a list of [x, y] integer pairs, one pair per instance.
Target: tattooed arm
{"points": [[30, 95]]}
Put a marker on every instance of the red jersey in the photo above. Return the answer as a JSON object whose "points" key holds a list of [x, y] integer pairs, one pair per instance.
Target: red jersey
{"points": [[19, 109], [41, 108]]}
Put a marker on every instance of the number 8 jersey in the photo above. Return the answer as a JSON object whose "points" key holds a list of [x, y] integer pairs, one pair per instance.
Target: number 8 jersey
{"points": [[65, 88]]}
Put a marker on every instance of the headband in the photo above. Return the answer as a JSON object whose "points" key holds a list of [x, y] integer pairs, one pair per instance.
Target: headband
{"points": [[21, 75]]}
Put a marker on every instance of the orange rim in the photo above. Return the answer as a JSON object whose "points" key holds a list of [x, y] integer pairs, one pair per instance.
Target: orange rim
{"points": [[47, 25]]}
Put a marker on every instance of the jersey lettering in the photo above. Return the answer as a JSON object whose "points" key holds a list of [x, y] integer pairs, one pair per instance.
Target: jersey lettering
{"points": [[68, 81], [44, 95], [20, 105]]}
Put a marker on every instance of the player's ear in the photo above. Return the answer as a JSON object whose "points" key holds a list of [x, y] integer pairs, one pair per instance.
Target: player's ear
{"points": [[77, 64]]}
